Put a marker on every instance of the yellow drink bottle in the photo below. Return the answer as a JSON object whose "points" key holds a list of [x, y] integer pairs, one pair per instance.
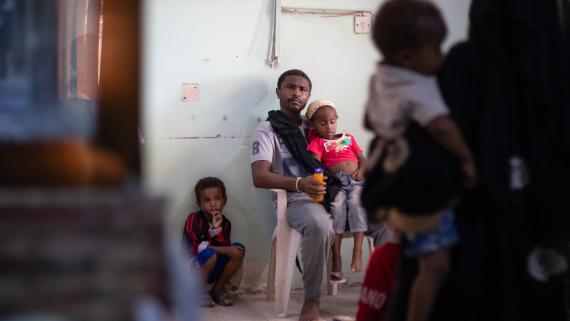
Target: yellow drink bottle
{"points": [[318, 175]]}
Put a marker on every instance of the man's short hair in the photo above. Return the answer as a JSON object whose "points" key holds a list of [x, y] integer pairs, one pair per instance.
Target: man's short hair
{"points": [[208, 182], [407, 25], [293, 72]]}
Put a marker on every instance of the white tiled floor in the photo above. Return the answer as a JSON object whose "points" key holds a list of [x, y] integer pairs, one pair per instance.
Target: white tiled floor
{"points": [[254, 307]]}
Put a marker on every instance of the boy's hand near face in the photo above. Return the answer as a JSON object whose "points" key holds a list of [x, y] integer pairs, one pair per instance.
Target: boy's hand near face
{"points": [[216, 224], [216, 219], [444, 130]]}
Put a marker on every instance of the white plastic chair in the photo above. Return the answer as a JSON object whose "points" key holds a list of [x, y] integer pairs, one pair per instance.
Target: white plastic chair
{"points": [[284, 246], [332, 287]]}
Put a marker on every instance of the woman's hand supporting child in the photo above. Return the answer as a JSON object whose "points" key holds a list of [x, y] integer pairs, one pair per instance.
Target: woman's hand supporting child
{"points": [[444, 130]]}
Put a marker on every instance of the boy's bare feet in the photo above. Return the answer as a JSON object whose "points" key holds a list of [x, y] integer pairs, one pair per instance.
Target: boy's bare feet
{"points": [[310, 311], [221, 298], [206, 301], [356, 265]]}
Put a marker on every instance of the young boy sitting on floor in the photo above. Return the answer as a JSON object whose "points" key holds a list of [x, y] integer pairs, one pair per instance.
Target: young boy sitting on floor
{"points": [[208, 234]]}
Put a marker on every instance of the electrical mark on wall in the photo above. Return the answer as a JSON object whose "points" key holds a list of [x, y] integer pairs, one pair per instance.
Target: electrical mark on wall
{"points": [[218, 136], [225, 118], [196, 137]]}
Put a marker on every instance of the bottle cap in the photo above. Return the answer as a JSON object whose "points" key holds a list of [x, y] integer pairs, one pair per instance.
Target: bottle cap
{"points": [[318, 170]]}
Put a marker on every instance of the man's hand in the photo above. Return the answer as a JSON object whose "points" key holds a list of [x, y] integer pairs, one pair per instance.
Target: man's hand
{"points": [[469, 173], [358, 174], [313, 187], [235, 252]]}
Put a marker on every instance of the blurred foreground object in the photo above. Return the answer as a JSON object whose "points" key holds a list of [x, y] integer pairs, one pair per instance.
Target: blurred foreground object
{"points": [[80, 256], [71, 163]]}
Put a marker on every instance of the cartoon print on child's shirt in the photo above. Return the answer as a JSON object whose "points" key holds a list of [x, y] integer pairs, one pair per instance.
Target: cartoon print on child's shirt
{"points": [[340, 144]]}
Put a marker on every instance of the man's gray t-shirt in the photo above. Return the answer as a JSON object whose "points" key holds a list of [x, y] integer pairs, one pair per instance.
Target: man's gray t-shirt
{"points": [[303, 214], [268, 146]]}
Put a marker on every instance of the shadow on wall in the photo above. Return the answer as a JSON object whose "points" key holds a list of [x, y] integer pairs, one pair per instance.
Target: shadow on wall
{"points": [[248, 209], [252, 219], [224, 153]]}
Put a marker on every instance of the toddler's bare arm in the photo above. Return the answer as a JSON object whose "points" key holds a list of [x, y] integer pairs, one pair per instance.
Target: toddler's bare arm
{"points": [[358, 174]]}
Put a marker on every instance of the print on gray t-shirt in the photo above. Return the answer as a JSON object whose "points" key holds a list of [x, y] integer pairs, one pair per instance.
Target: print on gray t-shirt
{"points": [[267, 145]]}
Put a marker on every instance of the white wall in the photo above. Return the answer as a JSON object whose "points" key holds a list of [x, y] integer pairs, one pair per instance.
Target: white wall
{"points": [[222, 45]]}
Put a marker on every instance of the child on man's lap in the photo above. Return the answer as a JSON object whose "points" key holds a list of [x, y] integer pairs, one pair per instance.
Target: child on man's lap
{"points": [[342, 156]]}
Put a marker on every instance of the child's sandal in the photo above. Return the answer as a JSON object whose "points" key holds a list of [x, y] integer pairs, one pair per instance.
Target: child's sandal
{"points": [[337, 277], [232, 292], [206, 301], [221, 298]]}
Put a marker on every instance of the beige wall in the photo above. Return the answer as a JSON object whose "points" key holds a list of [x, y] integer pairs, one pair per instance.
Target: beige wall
{"points": [[222, 45]]}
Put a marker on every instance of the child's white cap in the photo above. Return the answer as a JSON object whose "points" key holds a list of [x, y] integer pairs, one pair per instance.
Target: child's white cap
{"points": [[315, 105]]}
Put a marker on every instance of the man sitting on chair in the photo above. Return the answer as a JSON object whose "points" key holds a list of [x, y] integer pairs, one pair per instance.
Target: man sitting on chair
{"points": [[280, 161]]}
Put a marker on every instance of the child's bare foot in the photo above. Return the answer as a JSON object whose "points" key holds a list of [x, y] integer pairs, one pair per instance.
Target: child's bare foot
{"points": [[310, 311], [356, 265], [336, 267]]}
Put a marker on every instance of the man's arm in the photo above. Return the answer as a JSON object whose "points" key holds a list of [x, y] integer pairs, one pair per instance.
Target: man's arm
{"points": [[315, 156], [263, 177]]}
